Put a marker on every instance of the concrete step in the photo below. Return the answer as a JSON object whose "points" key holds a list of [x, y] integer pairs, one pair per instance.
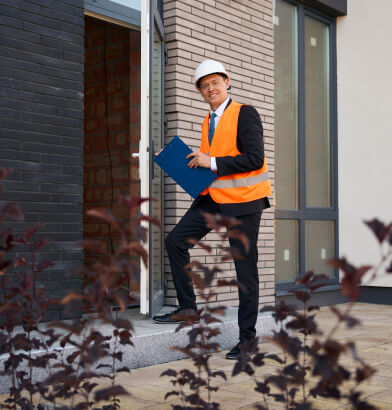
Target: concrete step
{"points": [[153, 342]]}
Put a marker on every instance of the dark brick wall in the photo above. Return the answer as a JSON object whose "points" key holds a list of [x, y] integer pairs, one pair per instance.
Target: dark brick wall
{"points": [[41, 124]]}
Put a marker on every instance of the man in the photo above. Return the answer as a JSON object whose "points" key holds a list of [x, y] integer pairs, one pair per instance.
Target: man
{"points": [[232, 146]]}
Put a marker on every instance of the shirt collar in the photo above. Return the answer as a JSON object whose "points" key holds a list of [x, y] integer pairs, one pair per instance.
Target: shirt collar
{"points": [[221, 108]]}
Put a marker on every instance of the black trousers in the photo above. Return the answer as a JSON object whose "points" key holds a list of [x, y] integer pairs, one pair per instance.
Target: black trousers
{"points": [[193, 225]]}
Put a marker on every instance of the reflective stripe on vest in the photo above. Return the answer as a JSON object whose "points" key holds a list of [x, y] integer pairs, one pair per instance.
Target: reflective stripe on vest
{"points": [[239, 182]]}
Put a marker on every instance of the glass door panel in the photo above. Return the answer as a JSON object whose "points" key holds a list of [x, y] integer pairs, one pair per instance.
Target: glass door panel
{"points": [[287, 259], [286, 106], [317, 113], [320, 246]]}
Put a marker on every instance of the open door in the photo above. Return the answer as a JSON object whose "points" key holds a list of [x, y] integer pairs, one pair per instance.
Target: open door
{"points": [[152, 129], [157, 53]]}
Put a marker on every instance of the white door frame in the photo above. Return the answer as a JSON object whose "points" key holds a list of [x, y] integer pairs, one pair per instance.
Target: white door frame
{"points": [[144, 157], [102, 11]]}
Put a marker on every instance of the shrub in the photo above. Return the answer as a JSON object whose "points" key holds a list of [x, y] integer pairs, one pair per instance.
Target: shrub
{"points": [[75, 354], [195, 388], [310, 362]]}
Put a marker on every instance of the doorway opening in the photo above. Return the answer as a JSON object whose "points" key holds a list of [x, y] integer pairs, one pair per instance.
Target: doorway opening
{"points": [[111, 127]]}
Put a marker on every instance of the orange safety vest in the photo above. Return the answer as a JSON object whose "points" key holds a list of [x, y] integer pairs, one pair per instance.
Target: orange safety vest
{"points": [[234, 188]]}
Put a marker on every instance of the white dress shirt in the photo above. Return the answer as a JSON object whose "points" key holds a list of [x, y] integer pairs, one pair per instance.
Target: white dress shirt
{"points": [[218, 112]]}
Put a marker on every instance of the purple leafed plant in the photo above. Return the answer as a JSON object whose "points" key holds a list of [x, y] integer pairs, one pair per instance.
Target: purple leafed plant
{"points": [[310, 362], [195, 388], [76, 355]]}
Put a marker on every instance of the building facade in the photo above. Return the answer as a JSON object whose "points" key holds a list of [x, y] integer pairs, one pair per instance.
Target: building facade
{"points": [[91, 89]]}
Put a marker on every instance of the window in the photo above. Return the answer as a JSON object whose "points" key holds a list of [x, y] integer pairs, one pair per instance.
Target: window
{"points": [[305, 142]]}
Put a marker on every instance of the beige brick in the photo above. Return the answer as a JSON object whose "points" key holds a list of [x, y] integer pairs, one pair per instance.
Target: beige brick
{"points": [[222, 32], [224, 17], [240, 34], [226, 296]]}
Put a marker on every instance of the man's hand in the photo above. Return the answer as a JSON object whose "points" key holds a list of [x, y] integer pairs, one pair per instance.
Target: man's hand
{"points": [[199, 160]]}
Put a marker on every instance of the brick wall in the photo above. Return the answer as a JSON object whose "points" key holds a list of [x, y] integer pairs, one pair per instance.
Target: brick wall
{"points": [[41, 116], [112, 122], [239, 34]]}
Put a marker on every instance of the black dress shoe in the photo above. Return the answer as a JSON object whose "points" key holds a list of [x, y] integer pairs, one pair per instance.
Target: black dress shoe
{"points": [[185, 315], [234, 352], [167, 317]]}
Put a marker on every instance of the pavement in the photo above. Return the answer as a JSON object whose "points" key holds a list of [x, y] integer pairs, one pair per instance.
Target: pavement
{"points": [[373, 339]]}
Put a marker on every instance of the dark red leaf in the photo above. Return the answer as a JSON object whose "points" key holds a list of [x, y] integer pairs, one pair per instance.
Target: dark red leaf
{"points": [[20, 262], [231, 252], [30, 232], [89, 386], [3, 268], [201, 244], [304, 324], [123, 369], [226, 282], [237, 234], [150, 219], [351, 322], [9, 240], [169, 373], [44, 265], [122, 323], [94, 245], [302, 295], [336, 312], [40, 243], [290, 344], [334, 349], [218, 310], [118, 355], [379, 229], [220, 373], [305, 279], [137, 248], [12, 210], [72, 296], [171, 393], [262, 387], [132, 201], [218, 221], [279, 381], [4, 172], [364, 373], [352, 277], [105, 215], [110, 392], [274, 357]]}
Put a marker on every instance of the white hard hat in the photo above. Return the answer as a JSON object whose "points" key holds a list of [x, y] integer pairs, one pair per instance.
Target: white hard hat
{"points": [[208, 67]]}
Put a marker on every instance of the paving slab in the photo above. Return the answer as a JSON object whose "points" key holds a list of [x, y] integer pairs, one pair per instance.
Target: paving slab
{"points": [[374, 344]]}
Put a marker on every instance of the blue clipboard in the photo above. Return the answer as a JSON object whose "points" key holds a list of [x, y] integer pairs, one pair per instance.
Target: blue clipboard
{"points": [[172, 159]]}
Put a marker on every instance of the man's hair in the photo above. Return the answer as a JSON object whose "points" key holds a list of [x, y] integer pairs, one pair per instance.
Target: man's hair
{"points": [[198, 81]]}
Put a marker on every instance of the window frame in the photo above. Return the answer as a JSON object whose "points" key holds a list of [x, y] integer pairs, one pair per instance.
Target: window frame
{"points": [[304, 213]]}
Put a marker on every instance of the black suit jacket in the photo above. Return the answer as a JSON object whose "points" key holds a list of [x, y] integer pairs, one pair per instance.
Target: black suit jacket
{"points": [[250, 143]]}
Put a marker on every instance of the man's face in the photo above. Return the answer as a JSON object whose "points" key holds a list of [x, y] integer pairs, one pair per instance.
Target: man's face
{"points": [[213, 88]]}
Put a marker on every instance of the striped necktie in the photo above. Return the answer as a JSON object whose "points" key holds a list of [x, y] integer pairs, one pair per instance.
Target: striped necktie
{"points": [[211, 128]]}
